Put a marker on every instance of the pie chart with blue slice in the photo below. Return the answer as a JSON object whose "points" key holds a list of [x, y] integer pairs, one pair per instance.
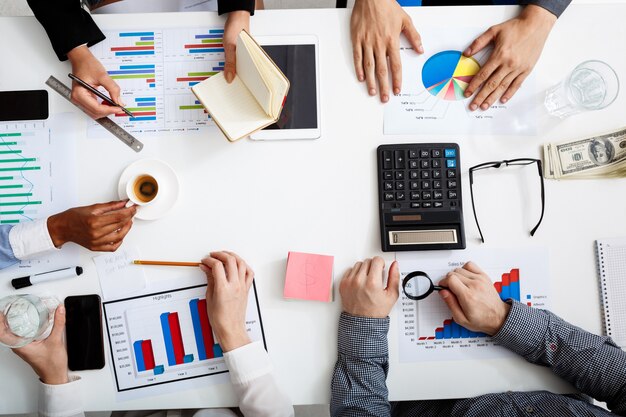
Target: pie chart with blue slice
{"points": [[447, 74]]}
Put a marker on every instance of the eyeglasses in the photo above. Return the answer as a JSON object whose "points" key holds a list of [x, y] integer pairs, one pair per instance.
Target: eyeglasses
{"points": [[499, 164]]}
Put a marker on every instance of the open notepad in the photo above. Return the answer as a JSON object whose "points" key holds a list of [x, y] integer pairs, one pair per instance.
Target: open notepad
{"points": [[253, 100], [612, 269]]}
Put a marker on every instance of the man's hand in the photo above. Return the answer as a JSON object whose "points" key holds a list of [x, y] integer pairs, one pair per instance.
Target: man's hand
{"points": [[229, 279], [363, 292], [517, 46], [375, 27], [235, 23], [473, 300], [48, 357], [99, 227], [87, 67]]}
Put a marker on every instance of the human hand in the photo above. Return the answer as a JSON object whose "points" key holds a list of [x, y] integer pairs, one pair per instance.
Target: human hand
{"points": [[229, 279], [517, 46], [235, 23], [87, 67], [99, 227], [48, 357], [375, 27], [362, 289], [473, 300]]}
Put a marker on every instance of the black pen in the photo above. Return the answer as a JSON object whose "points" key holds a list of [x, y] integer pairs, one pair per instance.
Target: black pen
{"points": [[99, 94]]}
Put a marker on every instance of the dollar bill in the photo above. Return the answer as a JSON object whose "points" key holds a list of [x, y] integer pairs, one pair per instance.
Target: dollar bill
{"points": [[597, 156]]}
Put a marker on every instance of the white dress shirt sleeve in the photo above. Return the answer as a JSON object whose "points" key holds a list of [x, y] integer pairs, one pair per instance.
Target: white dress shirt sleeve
{"points": [[251, 374], [63, 400], [31, 239]]}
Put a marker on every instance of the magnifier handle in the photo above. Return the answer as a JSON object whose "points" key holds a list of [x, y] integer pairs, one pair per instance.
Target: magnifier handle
{"points": [[440, 287]]}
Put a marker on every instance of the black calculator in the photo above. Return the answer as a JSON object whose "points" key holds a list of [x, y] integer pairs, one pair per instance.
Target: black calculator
{"points": [[419, 192]]}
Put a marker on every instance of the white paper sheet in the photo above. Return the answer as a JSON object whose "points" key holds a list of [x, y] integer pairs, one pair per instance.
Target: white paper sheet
{"points": [[425, 332], [119, 277]]}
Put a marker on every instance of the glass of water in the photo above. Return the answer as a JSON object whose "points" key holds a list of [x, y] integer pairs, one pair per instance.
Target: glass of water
{"points": [[592, 85], [25, 318]]}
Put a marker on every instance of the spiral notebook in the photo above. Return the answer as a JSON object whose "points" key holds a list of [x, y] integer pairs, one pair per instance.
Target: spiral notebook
{"points": [[612, 270]]}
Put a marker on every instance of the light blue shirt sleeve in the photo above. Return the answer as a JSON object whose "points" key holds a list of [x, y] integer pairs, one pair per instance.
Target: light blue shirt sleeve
{"points": [[7, 257]]}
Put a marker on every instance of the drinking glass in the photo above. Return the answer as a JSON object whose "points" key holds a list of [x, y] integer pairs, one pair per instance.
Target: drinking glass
{"points": [[25, 318], [592, 85]]}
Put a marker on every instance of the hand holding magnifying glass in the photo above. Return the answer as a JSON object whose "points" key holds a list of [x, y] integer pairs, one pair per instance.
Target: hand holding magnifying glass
{"points": [[417, 285]]}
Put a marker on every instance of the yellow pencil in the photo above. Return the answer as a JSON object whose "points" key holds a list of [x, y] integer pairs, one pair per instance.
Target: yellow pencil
{"points": [[165, 263]]}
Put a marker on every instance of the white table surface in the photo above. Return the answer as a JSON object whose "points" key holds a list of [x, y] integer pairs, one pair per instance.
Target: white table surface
{"points": [[265, 199]]}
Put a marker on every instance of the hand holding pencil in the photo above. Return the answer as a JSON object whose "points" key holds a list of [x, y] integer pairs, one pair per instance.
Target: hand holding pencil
{"points": [[229, 279]]}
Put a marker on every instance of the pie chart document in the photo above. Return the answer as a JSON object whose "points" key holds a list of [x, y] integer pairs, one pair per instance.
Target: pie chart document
{"points": [[433, 100]]}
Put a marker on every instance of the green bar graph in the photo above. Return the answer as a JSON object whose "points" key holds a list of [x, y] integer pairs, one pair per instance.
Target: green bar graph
{"points": [[129, 76], [144, 43], [12, 186], [132, 109], [3, 213], [21, 203], [20, 169], [2, 161], [191, 107], [212, 40], [9, 135], [9, 152], [16, 195], [5, 178], [8, 143], [201, 74], [9, 221]]}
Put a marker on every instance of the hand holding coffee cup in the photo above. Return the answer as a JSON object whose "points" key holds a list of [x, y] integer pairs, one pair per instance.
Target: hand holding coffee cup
{"points": [[142, 190]]}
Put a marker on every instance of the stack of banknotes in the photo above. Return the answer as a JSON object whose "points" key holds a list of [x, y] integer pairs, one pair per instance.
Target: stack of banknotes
{"points": [[601, 156]]}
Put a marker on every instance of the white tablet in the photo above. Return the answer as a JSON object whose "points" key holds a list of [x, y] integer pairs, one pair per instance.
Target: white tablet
{"points": [[297, 57]]}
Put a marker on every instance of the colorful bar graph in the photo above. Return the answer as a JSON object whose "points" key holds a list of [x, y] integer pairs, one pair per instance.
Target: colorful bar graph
{"points": [[167, 337], [211, 42], [144, 355], [194, 77], [141, 365], [143, 44], [127, 72], [508, 287], [202, 329], [144, 111]]}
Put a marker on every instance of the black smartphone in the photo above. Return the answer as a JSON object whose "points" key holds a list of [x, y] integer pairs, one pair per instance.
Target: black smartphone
{"points": [[83, 328], [23, 105]]}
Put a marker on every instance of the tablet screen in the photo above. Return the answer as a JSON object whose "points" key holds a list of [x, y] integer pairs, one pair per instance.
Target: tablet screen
{"points": [[297, 62]]}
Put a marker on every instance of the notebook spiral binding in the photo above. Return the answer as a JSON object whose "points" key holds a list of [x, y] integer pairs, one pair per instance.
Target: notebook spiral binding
{"points": [[604, 298]]}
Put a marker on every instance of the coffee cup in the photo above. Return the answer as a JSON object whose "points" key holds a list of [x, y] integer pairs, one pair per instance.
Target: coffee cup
{"points": [[143, 189]]}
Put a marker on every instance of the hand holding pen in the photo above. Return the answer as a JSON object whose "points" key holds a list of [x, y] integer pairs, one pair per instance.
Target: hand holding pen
{"points": [[88, 69]]}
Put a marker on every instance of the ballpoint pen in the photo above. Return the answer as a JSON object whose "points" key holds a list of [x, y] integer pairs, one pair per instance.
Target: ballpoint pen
{"points": [[99, 94]]}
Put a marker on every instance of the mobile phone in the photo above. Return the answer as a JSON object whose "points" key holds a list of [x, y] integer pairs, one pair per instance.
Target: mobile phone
{"points": [[23, 105], [83, 328]]}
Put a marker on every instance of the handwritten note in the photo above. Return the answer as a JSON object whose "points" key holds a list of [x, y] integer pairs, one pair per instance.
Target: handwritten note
{"points": [[119, 278], [309, 277]]}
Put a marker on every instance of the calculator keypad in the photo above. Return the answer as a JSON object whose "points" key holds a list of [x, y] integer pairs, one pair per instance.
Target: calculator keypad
{"points": [[420, 178]]}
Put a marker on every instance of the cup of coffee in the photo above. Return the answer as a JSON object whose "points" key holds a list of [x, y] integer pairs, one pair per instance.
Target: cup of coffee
{"points": [[142, 190]]}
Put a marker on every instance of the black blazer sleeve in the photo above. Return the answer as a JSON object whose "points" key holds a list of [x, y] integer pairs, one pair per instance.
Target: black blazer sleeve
{"points": [[227, 6], [66, 24]]}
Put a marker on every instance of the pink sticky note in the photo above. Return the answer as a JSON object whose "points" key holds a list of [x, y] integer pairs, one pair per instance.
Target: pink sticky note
{"points": [[309, 277]]}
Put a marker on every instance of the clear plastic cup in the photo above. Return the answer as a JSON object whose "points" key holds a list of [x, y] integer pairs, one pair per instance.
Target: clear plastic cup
{"points": [[592, 85], [25, 318]]}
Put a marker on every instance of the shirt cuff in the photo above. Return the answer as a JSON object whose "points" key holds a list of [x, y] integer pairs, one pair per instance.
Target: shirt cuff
{"points": [[524, 329], [363, 337], [247, 363], [31, 239], [61, 400]]}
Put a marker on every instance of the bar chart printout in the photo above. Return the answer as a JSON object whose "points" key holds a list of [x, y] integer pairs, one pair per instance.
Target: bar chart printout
{"points": [[37, 170], [427, 330], [166, 338]]}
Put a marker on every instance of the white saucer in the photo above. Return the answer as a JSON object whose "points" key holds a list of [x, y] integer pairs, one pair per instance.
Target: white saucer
{"points": [[168, 187]]}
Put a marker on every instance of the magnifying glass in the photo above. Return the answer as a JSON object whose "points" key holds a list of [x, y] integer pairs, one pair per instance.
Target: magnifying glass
{"points": [[417, 285]]}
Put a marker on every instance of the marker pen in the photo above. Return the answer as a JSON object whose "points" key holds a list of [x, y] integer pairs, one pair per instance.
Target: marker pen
{"points": [[72, 271]]}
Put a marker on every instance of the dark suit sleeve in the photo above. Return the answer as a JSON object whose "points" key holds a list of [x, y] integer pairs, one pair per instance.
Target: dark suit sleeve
{"points": [[556, 7], [66, 24], [227, 6]]}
